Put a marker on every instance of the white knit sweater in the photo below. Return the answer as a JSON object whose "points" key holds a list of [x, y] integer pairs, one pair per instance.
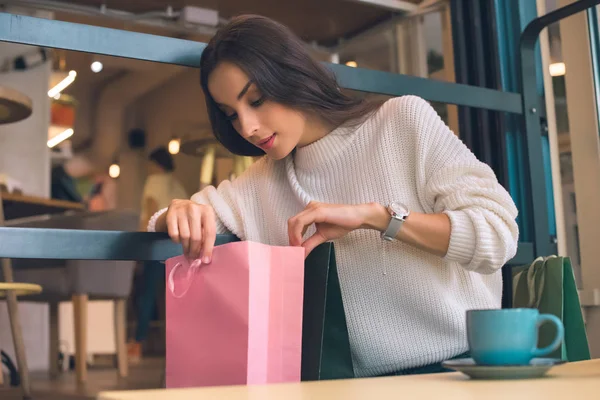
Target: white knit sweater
{"points": [[404, 307]]}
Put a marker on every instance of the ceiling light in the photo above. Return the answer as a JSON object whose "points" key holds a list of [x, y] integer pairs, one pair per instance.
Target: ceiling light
{"points": [[114, 171], [557, 69], [64, 135], [60, 86], [174, 146], [96, 66]]}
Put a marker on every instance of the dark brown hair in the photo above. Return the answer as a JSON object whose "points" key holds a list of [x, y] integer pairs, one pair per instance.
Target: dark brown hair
{"points": [[283, 70], [162, 157]]}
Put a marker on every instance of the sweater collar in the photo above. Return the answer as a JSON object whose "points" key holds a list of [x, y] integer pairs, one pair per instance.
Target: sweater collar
{"points": [[320, 152]]}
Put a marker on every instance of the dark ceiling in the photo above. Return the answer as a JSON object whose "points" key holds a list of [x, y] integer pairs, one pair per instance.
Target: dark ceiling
{"points": [[323, 21]]}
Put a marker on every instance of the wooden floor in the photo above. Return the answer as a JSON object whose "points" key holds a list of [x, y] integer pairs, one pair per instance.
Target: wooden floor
{"points": [[147, 375]]}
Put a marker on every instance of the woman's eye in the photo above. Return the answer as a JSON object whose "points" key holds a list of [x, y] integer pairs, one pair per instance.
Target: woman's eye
{"points": [[231, 117], [258, 102]]}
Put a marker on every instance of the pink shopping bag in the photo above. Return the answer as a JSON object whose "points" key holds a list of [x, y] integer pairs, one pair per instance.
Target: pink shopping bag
{"points": [[237, 320]]}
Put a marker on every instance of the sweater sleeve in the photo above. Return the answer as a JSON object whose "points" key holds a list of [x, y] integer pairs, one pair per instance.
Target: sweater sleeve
{"points": [[224, 201], [451, 180], [227, 202]]}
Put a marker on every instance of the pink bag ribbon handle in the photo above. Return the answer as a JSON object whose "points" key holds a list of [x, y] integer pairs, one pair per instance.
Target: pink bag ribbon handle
{"points": [[188, 279]]}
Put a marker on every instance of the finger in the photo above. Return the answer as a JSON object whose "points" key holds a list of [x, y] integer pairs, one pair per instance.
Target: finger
{"points": [[318, 209], [172, 227], [184, 233], [312, 242], [210, 235], [195, 224], [294, 233], [298, 225], [304, 230]]}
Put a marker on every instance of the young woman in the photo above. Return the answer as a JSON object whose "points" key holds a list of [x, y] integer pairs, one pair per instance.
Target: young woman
{"points": [[421, 227]]}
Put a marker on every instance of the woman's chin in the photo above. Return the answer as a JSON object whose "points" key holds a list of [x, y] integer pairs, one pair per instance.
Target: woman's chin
{"points": [[277, 153], [276, 157]]}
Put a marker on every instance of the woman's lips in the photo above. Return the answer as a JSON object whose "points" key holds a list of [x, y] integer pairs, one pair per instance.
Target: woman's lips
{"points": [[267, 143]]}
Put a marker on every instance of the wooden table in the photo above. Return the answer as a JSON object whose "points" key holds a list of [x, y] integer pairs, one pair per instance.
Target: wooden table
{"points": [[572, 381], [21, 206], [14, 105]]}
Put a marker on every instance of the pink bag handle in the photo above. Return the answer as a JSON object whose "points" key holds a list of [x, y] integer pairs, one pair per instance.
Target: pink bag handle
{"points": [[188, 279]]}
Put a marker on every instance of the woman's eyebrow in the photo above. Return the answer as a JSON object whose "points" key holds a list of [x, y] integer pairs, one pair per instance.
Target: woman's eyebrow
{"points": [[245, 89]]}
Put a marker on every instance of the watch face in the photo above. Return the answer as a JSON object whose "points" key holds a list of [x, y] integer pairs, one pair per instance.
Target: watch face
{"points": [[399, 208]]}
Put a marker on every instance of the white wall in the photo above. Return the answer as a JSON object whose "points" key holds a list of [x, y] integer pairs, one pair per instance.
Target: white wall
{"points": [[24, 156], [36, 334], [100, 327], [585, 145]]}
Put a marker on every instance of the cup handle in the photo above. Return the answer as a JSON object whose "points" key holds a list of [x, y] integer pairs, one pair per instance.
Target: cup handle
{"points": [[560, 334]]}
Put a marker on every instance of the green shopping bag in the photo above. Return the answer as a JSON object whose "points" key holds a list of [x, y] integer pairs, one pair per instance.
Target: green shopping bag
{"points": [[548, 284], [326, 350]]}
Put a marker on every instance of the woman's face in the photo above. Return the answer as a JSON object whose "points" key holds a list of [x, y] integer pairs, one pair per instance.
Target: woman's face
{"points": [[274, 128]]}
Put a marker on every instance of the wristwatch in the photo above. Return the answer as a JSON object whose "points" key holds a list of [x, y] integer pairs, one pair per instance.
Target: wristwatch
{"points": [[398, 213]]}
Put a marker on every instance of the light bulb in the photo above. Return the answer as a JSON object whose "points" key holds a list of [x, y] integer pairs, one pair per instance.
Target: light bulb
{"points": [[60, 86], [174, 146], [62, 136], [114, 171], [97, 66], [557, 69]]}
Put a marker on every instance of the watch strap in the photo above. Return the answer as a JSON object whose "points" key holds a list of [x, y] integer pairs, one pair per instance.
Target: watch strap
{"points": [[393, 228]]}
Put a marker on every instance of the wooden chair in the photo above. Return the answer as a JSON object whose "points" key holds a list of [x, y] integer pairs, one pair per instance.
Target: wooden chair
{"points": [[27, 243], [11, 290], [81, 280]]}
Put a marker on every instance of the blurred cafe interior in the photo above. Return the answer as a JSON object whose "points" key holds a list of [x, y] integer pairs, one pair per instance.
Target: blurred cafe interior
{"points": [[81, 133]]}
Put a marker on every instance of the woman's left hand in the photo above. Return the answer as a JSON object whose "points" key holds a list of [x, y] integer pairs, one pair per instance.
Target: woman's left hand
{"points": [[332, 221]]}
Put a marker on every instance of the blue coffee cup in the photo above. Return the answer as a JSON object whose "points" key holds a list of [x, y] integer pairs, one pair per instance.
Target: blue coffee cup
{"points": [[509, 336]]}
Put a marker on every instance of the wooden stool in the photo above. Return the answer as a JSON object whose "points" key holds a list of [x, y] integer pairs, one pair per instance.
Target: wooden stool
{"points": [[19, 289]]}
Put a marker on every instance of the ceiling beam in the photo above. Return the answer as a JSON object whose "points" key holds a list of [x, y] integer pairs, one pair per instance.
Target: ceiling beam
{"points": [[394, 5], [159, 19]]}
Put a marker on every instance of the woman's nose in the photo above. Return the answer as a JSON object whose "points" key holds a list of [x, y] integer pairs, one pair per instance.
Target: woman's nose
{"points": [[248, 125]]}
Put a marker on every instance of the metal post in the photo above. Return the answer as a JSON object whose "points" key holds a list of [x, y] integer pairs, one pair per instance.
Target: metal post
{"points": [[532, 125]]}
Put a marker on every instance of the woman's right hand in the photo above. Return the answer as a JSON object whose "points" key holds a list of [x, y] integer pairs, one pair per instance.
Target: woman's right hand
{"points": [[193, 225]]}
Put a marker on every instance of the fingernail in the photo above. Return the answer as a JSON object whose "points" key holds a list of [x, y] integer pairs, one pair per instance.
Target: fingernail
{"points": [[206, 260]]}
